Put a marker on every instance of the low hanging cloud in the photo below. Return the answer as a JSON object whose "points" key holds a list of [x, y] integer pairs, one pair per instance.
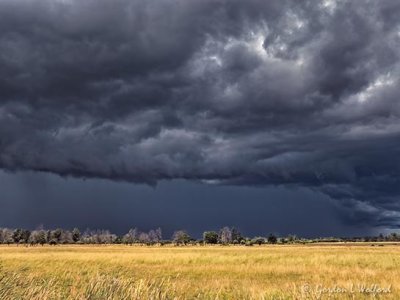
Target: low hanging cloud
{"points": [[225, 92]]}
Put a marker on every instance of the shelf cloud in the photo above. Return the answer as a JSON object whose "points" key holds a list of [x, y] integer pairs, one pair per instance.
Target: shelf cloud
{"points": [[235, 92]]}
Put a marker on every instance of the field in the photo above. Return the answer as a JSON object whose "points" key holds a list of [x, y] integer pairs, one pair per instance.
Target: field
{"points": [[212, 272]]}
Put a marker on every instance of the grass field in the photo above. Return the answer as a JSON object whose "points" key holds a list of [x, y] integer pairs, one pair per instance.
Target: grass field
{"points": [[219, 272]]}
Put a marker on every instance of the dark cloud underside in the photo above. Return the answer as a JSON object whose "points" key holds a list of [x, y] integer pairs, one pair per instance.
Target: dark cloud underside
{"points": [[224, 92]]}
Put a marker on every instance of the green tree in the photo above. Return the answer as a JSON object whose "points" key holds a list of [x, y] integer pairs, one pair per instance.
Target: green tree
{"points": [[236, 236], [17, 235], [56, 235], [272, 239], [76, 235], [258, 240], [210, 237]]}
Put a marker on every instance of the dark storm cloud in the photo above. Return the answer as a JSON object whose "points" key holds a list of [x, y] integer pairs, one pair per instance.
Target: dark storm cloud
{"points": [[228, 92]]}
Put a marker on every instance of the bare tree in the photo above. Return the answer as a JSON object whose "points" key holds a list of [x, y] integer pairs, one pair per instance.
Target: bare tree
{"points": [[131, 237], [181, 237], [106, 237], [38, 237], [87, 237], [155, 236], [7, 236], [225, 235], [66, 237], [144, 238]]}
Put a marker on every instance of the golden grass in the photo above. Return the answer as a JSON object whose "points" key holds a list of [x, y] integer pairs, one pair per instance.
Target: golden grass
{"points": [[229, 272]]}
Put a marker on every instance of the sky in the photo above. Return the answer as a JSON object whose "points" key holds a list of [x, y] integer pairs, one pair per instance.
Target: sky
{"points": [[271, 116]]}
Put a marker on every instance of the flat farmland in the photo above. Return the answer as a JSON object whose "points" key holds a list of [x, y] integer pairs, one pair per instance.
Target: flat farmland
{"points": [[334, 271]]}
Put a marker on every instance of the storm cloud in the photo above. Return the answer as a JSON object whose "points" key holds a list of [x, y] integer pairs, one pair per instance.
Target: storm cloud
{"points": [[247, 93]]}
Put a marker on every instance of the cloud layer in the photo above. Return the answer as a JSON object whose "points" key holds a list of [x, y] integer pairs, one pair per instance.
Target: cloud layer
{"points": [[227, 92]]}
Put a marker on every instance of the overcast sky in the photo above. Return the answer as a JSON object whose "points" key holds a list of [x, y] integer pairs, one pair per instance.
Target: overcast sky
{"points": [[273, 116]]}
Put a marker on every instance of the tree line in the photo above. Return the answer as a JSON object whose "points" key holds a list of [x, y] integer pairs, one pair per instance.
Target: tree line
{"points": [[225, 236]]}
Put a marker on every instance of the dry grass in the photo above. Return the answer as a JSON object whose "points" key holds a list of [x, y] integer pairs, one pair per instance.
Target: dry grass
{"points": [[134, 272]]}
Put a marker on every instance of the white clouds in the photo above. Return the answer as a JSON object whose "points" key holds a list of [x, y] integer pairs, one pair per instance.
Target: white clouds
{"points": [[330, 5], [380, 83]]}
